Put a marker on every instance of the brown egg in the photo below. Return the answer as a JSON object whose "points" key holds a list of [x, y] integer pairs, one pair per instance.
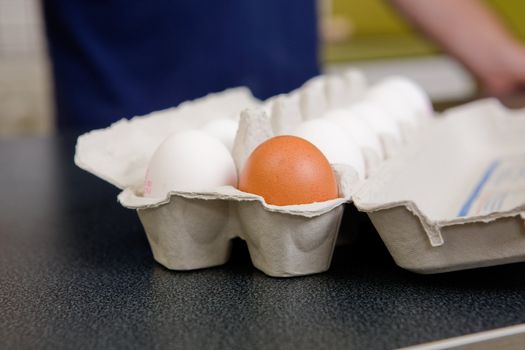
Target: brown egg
{"points": [[287, 170]]}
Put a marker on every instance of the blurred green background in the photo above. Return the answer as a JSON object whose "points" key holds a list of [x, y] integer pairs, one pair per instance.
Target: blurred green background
{"points": [[361, 30]]}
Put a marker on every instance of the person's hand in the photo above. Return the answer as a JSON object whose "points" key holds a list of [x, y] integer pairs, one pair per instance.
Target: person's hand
{"points": [[505, 75], [472, 33]]}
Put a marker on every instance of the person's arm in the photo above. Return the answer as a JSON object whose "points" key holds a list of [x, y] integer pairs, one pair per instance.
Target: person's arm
{"points": [[468, 30]]}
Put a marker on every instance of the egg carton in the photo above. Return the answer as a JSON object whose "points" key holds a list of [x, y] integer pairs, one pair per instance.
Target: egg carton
{"points": [[454, 198], [448, 192], [192, 230]]}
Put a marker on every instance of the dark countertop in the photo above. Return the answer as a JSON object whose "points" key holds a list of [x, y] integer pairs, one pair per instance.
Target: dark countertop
{"points": [[76, 272]]}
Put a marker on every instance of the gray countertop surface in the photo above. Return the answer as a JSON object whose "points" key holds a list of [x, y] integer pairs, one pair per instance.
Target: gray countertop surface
{"points": [[76, 272]]}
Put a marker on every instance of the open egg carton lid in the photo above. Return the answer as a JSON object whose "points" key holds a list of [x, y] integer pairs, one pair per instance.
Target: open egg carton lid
{"points": [[454, 198]]}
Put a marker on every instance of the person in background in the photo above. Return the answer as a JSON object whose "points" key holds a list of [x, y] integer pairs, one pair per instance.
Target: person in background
{"points": [[117, 58], [469, 31], [120, 58]]}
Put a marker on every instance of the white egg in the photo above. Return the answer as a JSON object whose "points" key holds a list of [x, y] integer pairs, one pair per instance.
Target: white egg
{"points": [[357, 129], [189, 161], [222, 129], [412, 93], [336, 146], [379, 121], [393, 104]]}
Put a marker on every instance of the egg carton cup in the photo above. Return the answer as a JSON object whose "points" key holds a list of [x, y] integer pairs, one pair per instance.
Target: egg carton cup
{"points": [[194, 230], [189, 230], [454, 198]]}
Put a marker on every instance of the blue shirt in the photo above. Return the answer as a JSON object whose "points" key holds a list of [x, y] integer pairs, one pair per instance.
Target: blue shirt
{"points": [[120, 58]]}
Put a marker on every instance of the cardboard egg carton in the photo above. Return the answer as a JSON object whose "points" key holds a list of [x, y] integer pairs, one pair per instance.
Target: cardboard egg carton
{"points": [[454, 198], [405, 193], [188, 230]]}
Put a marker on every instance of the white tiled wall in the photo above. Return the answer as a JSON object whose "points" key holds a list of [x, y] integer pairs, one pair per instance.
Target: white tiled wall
{"points": [[25, 106]]}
